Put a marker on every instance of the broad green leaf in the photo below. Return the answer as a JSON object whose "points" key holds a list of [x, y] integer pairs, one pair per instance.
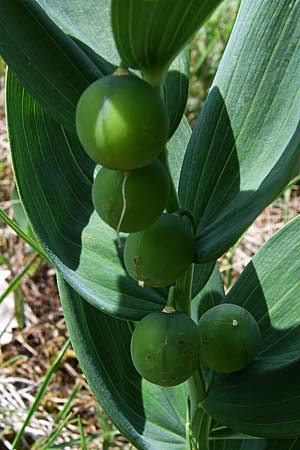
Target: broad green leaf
{"points": [[208, 289], [66, 54], [89, 24], [256, 444], [264, 399], [151, 417], [46, 61], [175, 90], [246, 145], [149, 34], [54, 179]]}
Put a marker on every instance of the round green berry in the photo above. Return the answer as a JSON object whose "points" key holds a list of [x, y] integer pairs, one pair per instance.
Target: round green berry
{"points": [[133, 201], [229, 337], [165, 348], [122, 122], [158, 255]]}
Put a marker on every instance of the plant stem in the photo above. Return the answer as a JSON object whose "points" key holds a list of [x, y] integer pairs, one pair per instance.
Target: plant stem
{"points": [[182, 291], [180, 297], [173, 203], [155, 77], [185, 212], [204, 429]]}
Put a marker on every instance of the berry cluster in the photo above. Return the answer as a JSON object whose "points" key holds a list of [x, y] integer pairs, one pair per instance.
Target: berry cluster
{"points": [[123, 125]]}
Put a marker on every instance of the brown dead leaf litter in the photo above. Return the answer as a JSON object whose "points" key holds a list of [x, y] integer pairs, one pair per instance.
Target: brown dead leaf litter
{"points": [[27, 355]]}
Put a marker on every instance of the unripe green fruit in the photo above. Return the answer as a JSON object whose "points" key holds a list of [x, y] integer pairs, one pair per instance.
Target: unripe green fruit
{"points": [[122, 122], [230, 338], [165, 348], [145, 191], [158, 255]]}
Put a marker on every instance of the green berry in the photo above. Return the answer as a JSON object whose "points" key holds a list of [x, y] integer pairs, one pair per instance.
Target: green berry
{"points": [[158, 255], [230, 338], [165, 348], [122, 122], [131, 202]]}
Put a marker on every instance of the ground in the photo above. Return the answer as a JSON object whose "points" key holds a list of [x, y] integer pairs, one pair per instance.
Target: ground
{"points": [[32, 327]]}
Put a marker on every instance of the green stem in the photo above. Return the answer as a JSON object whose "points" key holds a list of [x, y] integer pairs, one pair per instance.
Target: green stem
{"points": [[155, 77], [183, 290], [170, 302], [204, 429], [185, 212], [173, 203]]}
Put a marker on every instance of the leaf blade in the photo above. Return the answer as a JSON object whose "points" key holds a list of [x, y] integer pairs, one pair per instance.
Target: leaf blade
{"points": [[245, 147], [149, 35], [263, 399]]}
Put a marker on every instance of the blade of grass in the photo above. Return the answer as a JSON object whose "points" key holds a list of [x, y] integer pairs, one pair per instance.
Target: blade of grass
{"points": [[40, 393], [22, 235], [58, 431], [75, 442], [62, 414], [5, 262], [82, 436], [18, 278], [13, 360], [19, 308], [108, 433]]}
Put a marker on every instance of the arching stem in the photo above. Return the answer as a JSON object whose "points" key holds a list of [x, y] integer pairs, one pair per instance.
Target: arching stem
{"points": [[185, 212]]}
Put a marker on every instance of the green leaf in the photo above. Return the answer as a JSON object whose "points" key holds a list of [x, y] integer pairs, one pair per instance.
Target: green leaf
{"points": [[264, 399], [208, 289], [246, 145], [256, 444], [149, 416], [175, 90], [89, 23], [149, 34], [48, 63], [54, 179], [55, 68]]}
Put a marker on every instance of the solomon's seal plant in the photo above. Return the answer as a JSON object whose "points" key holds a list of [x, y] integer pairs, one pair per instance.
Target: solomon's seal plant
{"points": [[175, 362]]}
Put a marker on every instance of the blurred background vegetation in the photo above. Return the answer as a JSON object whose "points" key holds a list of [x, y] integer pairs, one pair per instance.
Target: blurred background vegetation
{"points": [[40, 378]]}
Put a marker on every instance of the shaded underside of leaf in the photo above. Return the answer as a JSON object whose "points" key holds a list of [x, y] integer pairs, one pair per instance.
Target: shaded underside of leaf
{"points": [[47, 62], [245, 146], [263, 399], [149, 34], [89, 24], [151, 417], [256, 444]]}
